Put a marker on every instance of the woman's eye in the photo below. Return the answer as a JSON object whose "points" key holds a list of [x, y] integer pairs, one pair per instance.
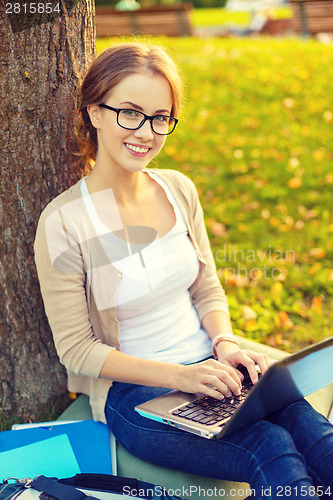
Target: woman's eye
{"points": [[130, 113], [161, 118]]}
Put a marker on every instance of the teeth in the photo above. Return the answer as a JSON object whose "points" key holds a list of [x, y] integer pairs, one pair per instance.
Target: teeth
{"points": [[137, 149]]}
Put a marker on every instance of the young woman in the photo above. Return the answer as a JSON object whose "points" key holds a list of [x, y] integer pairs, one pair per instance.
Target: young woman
{"points": [[133, 298]]}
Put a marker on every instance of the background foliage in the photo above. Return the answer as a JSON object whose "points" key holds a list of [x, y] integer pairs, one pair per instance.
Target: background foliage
{"points": [[195, 3], [256, 137], [218, 16]]}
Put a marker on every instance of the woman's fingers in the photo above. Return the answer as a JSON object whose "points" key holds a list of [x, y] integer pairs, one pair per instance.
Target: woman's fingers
{"points": [[213, 393], [220, 380], [221, 377], [211, 378], [224, 384], [249, 359], [262, 360]]}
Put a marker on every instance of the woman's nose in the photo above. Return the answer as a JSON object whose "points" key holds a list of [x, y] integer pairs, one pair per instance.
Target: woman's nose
{"points": [[145, 132]]}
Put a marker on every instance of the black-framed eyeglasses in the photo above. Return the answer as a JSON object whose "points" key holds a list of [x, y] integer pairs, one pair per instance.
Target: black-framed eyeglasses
{"points": [[131, 119]]}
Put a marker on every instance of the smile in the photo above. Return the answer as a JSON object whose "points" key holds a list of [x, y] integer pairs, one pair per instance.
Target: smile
{"points": [[137, 149]]}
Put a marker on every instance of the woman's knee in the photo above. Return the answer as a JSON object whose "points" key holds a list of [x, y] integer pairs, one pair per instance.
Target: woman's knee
{"points": [[274, 458], [264, 438]]}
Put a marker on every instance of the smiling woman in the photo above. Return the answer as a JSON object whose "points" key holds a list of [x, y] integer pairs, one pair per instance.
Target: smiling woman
{"points": [[114, 64], [124, 257], [126, 135]]}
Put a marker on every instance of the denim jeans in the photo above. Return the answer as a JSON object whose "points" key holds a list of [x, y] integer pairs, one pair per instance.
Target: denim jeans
{"points": [[287, 455]]}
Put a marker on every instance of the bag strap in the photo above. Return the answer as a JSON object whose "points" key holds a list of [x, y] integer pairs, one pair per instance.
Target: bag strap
{"points": [[54, 488], [114, 484], [65, 489], [105, 482]]}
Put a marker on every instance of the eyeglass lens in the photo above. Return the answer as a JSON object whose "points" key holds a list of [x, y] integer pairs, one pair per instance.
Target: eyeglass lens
{"points": [[131, 119]]}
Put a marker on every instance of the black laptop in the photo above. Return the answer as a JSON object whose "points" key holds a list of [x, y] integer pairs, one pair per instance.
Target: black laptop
{"points": [[285, 382]]}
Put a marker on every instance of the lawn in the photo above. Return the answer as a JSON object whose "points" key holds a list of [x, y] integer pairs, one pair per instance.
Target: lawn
{"points": [[220, 16], [256, 136]]}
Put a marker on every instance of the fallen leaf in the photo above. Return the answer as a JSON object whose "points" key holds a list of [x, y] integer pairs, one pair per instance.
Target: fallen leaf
{"points": [[170, 150], [241, 281], [276, 290], [228, 276], [248, 313], [328, 116], [317, 304], [299, 224], [295, 182], [243, 228], [276, 340], [217, 228], [293, 162], [285, 321], [288, 102], [251, 206], [317, 253], [238, 153], [314, 269], [274, 221], [265, 214]]}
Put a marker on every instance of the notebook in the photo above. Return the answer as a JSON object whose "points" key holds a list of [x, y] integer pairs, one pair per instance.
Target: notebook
{"points": [[285, 382], [89, 441], [40, 458]]}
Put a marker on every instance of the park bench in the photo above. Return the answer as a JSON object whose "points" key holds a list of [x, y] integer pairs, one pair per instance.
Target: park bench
{"points": [[162, 20], [312, 16], [129, 466]]}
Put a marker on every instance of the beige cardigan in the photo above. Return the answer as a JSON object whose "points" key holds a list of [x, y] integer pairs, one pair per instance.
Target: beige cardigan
{"points": [[78, 284]]}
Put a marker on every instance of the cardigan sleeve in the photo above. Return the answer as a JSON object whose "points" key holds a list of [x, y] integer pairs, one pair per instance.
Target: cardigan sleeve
{"points": [[62, 277]]}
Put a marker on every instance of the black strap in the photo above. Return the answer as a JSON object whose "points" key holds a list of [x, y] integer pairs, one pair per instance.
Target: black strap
{"points": [[65, 489], [114, 484], [53, 487], [105, 482]]}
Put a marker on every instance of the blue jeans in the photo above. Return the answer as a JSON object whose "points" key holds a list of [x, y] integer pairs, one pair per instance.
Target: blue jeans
{"points": [[287, 455]]}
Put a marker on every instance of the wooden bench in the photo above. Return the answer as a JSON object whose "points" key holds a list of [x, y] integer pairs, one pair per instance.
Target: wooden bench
{"points": [[312, 16], [162, 20]]}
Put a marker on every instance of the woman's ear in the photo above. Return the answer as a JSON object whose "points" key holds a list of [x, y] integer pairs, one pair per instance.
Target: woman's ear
{"points": [[94, 112]]}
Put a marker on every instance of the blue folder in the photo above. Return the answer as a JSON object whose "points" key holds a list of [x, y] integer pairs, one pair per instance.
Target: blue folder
{"points": [[51, 457], [89, 440]]}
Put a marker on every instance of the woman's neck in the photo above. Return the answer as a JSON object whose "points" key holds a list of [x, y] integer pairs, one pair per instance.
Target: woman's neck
{"points": [[127, 186]]}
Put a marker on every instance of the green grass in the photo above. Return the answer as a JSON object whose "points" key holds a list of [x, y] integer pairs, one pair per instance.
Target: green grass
{"points": [[255, 135], [217, 17], [47, 413], [220, 16]]}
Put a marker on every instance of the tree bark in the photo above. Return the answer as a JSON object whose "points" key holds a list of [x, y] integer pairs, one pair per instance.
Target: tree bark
{"points": [[39, 74]]}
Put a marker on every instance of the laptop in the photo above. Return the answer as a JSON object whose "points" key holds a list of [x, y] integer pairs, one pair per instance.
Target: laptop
{"points": [[285, 382]]}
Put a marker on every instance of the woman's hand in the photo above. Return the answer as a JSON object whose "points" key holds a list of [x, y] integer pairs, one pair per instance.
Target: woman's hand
{"points": [[209, 377], [231, 355]]}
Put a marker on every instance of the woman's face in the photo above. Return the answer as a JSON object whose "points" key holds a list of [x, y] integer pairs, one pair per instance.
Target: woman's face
{"points": [[131, 150]]}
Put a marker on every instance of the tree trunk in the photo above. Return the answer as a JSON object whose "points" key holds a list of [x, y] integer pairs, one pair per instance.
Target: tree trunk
{"points": [[40, 70]]}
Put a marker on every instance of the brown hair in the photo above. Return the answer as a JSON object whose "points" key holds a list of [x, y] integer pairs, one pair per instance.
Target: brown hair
{"points": [[107, 71]]}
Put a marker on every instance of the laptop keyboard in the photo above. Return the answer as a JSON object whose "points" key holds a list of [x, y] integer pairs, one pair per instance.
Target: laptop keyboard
{"points": [[210, 411]]}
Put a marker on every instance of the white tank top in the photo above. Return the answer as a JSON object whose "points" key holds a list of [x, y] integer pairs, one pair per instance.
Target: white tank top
{"points": [[156, 317]]}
